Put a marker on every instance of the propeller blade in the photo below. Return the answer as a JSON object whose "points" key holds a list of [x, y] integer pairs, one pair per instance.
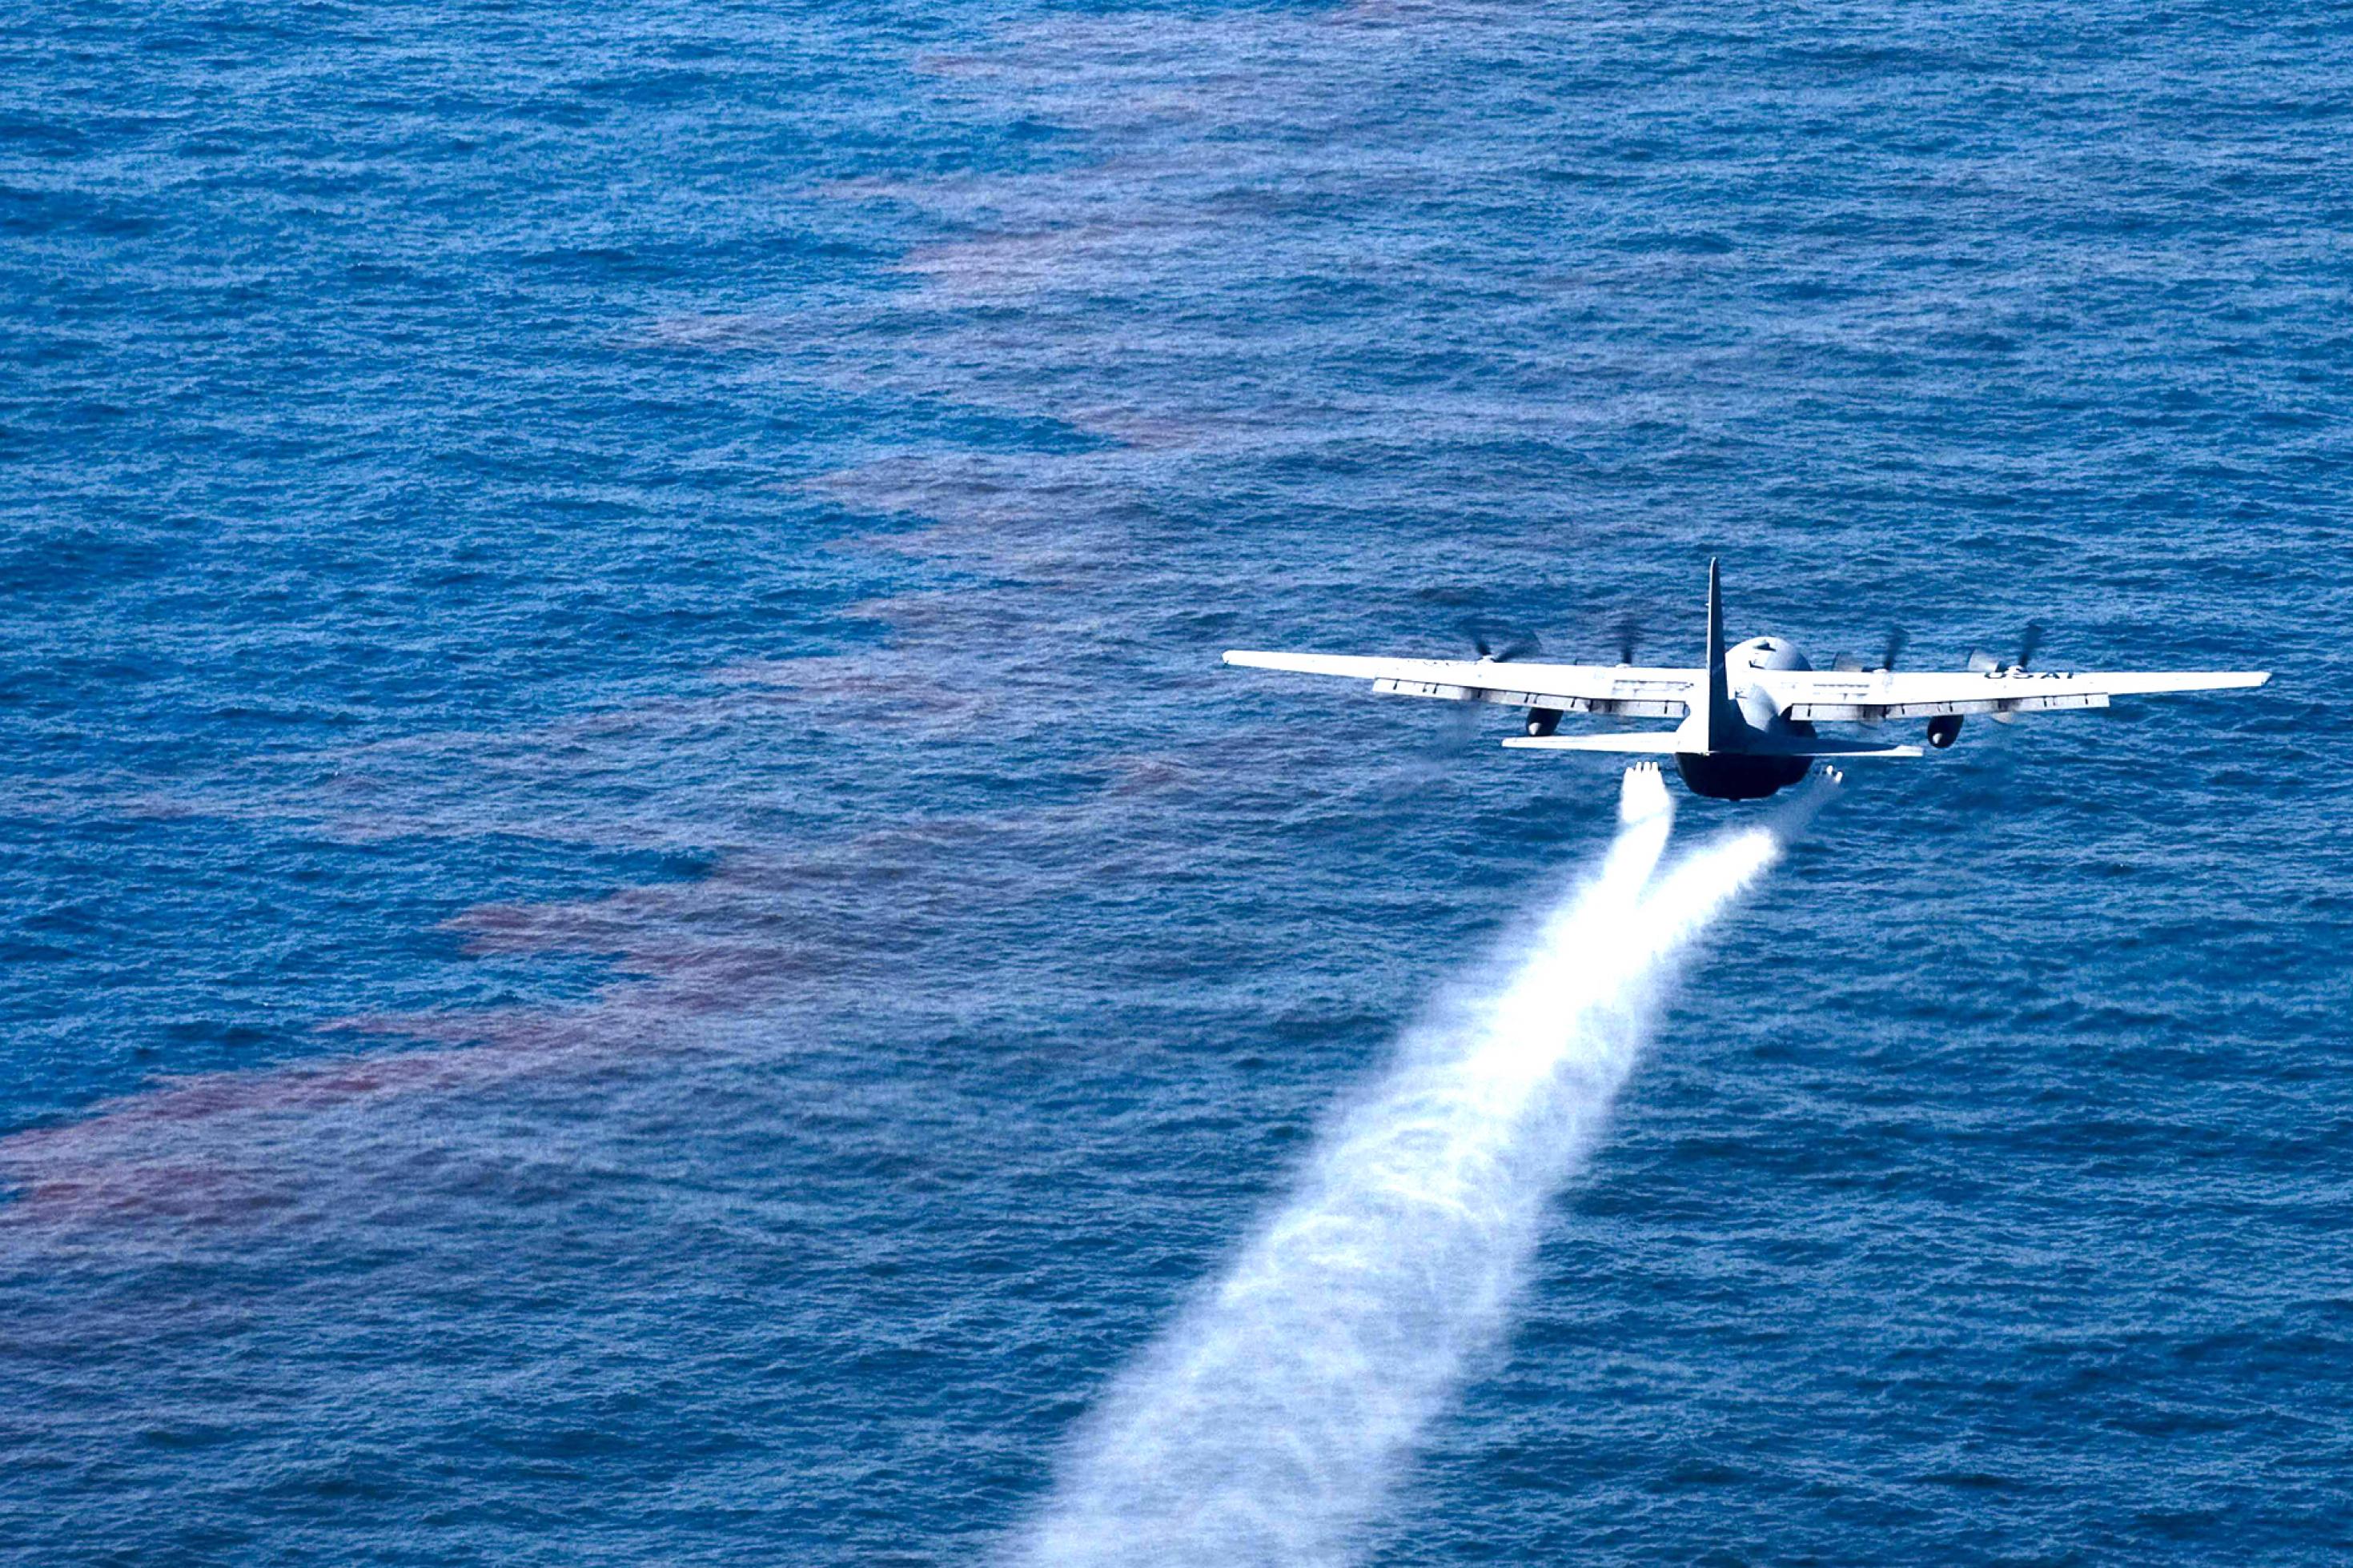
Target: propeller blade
{"points": [[1458, 732], [1896, 637], [2027, 648], [1500, 643], [1630, 637]]}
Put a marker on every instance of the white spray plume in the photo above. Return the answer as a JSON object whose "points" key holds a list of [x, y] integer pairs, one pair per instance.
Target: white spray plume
{"points": [[1267, 1425]]}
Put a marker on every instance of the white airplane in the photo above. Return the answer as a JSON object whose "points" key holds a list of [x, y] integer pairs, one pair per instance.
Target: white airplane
{"points": [[1748, 716]]}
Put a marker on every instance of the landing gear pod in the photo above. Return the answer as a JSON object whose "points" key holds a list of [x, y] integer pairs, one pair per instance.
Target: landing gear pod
{"points": [[1944, 730], [1542, 721]]}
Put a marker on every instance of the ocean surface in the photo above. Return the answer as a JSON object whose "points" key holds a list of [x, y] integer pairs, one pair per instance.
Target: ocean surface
{"points": [[640, 928]]}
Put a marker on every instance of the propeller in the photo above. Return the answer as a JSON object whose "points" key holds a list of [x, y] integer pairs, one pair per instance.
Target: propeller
{"points": [[1983, 663], [1500, 644], [1497, 644], [2029, 645], [1630, 637], [1896, 637]]}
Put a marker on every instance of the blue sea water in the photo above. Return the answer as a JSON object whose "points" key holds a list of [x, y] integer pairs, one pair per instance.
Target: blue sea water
{"points": [[639, 926]]}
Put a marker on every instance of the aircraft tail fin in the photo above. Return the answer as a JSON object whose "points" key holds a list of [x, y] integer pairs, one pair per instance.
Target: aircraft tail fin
{"points": [[1705, 722]]}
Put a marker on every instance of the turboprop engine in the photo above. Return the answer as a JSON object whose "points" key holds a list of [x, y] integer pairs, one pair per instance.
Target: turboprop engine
{"points": [[1946, 728]]}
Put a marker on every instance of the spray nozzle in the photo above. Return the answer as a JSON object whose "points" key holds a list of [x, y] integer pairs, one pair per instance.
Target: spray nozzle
{"points": [[1643, 795]]}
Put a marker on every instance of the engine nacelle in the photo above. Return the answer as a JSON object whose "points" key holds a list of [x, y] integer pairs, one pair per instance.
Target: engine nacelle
{"points": [[1944, 730], [1542, 721]]}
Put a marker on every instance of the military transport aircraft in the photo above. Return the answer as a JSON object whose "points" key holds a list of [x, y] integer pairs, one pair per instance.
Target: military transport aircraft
{"points": [[1748, 716]]}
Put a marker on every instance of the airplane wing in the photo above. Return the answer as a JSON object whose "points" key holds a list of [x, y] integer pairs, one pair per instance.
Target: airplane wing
{"points": [[1633, 690], [1868, 696]]}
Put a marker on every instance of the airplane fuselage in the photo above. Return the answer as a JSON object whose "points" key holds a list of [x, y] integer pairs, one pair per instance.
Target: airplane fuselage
{"points": [[1741, 761], [1734, 775]]}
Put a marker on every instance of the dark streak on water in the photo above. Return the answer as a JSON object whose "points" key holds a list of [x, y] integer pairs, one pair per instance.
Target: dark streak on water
{"points": [[640, 929]]}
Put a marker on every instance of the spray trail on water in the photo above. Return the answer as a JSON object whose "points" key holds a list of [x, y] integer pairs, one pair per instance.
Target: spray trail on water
{"points": [[1269, 1423]]}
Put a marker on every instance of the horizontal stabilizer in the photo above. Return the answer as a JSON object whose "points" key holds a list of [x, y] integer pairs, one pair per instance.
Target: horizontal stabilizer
{"points": [[1653, 742], [1663, 742], [1827, 746]]}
